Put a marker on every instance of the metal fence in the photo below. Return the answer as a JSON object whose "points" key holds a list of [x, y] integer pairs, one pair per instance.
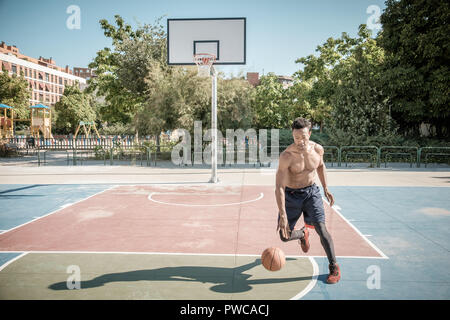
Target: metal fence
{"points": [[68, 143], [111, 150], [374, 155]]}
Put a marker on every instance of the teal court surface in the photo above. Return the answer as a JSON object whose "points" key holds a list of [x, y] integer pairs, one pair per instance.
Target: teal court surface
{"points": [[167, 234]]}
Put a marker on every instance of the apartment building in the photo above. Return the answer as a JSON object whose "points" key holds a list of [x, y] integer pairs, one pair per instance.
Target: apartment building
{"points": [[253, 79], [45, 79], [85, 73]]}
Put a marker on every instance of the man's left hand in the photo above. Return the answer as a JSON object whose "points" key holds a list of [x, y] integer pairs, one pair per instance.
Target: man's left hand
{"points": [[329, 197]]}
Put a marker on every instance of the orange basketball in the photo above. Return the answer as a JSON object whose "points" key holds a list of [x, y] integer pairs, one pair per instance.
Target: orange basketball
{"points": [[273, 259]]}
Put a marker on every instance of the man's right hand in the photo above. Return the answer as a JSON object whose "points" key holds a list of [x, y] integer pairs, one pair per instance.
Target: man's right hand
{"points": [[283, 226]]}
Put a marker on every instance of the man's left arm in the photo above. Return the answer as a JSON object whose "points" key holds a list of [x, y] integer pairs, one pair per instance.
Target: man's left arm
{"points": [[322, 172]]}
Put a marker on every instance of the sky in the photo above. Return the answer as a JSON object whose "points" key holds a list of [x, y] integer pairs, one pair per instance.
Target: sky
{"points": [[278, 31]]}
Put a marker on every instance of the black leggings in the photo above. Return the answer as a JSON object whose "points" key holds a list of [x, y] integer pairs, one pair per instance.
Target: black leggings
{"points": [[324, 235]]}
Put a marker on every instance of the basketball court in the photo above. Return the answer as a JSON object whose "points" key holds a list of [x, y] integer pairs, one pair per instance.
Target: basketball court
{"points": [[197, 234], [196, 240]]}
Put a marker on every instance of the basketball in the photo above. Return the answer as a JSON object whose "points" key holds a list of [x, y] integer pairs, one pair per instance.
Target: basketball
{"points": [[273, 259]]}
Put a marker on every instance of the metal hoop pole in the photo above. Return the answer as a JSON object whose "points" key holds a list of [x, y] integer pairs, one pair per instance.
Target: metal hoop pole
{"points": [[214, 127]]}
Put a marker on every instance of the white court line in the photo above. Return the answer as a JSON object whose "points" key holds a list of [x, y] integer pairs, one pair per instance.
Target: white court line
{"points": [[335, 208], [46, 215], [184, 254], [12, 260], [261, 195], [311, 284]]}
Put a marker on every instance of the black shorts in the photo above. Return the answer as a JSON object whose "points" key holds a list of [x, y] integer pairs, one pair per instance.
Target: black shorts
{"points": [[306, 200]]}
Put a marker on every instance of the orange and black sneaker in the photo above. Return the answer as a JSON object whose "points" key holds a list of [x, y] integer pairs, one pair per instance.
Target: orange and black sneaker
{"points": [[335, 274], [304, 241]]}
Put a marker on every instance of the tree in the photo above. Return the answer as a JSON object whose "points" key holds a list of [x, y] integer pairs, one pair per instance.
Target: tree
{"points": [[415, 38], [175, 100], [347, 86], [121, 71], [73, 107], [361, 104], [14, 92], [234, 104], [299, 98], [272, 104]]}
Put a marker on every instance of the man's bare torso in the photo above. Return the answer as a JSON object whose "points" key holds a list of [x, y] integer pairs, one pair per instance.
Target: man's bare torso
{"points": [[302, 165]]}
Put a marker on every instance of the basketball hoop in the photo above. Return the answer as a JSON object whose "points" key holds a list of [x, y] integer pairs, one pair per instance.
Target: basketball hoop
{"points": [[204, 61]]}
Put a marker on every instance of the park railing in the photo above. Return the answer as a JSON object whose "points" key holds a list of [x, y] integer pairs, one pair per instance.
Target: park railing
{"points": [[110, 156], [437, 154], [119, 150], [68, 143], [360, 154], [410, 154]]}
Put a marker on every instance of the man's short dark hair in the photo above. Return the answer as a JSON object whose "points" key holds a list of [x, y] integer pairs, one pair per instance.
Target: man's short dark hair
{"points": [[300, 123]]}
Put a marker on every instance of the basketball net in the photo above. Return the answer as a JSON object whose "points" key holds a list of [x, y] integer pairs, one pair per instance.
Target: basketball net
{"points": [[204, 61]]}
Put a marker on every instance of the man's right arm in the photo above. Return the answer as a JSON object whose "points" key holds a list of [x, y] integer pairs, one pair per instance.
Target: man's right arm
{"points": [[280, 184]]}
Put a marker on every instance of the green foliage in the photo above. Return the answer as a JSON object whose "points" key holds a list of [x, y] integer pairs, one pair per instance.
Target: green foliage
{"points": [[14, 92], [339, 138], [175, 99], [121, 71], [415, 38], [234, 104], [117, 128], [346, 91], [272, 104], [360, 104], [319, 137], [285, 136], [73, 107]]}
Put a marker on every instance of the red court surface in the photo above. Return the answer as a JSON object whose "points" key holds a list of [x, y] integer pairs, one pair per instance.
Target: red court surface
{"points": [[235, 220]]}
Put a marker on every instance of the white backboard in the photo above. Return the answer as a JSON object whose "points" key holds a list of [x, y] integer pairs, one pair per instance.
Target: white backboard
{"points": [[223, 37]]}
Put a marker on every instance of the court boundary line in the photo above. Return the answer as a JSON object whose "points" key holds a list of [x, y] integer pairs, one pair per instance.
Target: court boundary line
{"points": [[183, 254], [312, 283], [55, 211], [337, 210]]}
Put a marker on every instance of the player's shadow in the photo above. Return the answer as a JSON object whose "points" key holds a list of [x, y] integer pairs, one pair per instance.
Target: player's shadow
{"points": [[226, 280]]}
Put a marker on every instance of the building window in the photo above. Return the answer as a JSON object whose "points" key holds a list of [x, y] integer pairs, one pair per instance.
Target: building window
{"points": [[41, 97], [60, 90], [14, 69], [46, 77], [60, 80], [26, 72], [40, 77]]}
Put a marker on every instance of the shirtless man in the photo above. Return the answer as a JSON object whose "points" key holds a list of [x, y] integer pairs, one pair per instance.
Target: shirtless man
{"points": [[296, 193]]}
